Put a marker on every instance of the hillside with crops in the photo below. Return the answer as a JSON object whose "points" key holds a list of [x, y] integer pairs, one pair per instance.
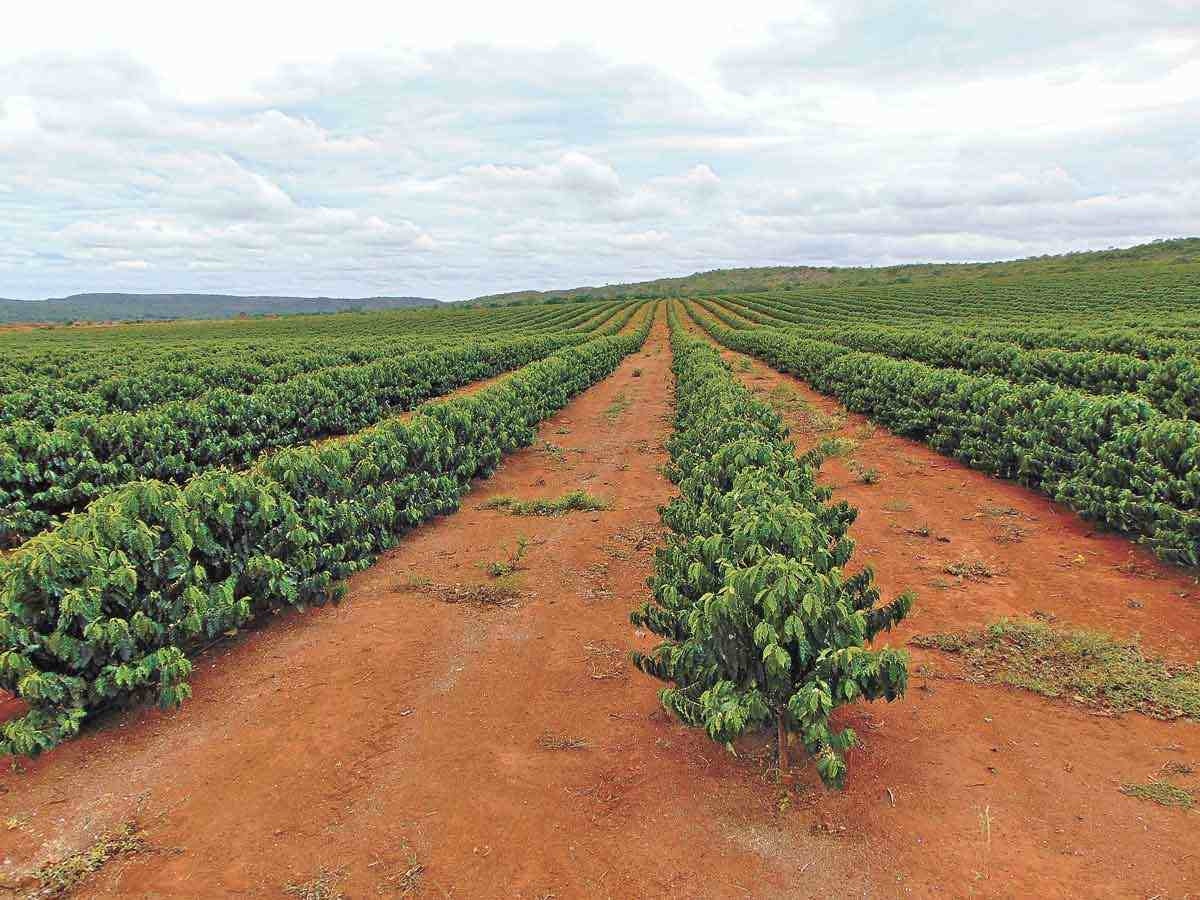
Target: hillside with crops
{"points": [[787, 582]]}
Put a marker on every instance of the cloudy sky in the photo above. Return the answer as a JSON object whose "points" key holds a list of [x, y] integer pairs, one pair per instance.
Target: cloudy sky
{"points": [[252, 147]]}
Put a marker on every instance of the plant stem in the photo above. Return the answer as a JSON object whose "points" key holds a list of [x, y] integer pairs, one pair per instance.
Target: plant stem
{"points": [[783, 747]]}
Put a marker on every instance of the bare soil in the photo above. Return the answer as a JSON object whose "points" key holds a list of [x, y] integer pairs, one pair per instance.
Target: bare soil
{"points": [[398, 744]]}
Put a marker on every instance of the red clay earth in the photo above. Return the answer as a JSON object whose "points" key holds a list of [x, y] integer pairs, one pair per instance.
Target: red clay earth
{"points": [[403, 744]]}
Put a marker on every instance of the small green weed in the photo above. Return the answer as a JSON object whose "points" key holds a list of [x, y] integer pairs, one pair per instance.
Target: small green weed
{"points": [[620, 403], [1161, 792], [829, 448], [864, 474], [61, 878], [573, 501], [502, 568]]}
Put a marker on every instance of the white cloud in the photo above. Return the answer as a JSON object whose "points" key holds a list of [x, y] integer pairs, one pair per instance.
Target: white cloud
{"points": [[522, 147]]}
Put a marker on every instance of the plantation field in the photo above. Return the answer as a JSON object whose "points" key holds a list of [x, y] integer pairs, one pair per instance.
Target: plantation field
{"points": [[871, 582]]}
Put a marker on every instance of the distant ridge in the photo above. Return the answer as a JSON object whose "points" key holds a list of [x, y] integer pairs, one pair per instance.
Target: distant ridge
{"points": [[127, 307], [769, 278]]}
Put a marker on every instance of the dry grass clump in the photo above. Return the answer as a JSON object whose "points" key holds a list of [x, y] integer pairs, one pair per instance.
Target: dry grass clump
{"points": [[550, 740], [1085, 666], [61, 878]]}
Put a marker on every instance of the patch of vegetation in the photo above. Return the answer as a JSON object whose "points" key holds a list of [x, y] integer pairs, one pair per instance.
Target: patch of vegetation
{"points": [[828, 448], [554, 450], [805, 417], [573, 501], [61, 878], [620, 403], [864, 474], [604, 661], [1009, 533], [897, 506], [502, 592], [974, 569], [506, 567], [745, 365], [322, 887], [637, 373], [1161, 792], [550, 740], [1086, 666]]}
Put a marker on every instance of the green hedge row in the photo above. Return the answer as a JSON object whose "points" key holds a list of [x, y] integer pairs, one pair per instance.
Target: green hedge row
{"points": [[1172, 384], [45, 473], [760, 623], [103, 609], [1113, 459]]}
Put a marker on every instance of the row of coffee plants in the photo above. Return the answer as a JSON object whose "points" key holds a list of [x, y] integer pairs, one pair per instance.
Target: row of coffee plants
{"points": [[1144, 340], [1114, 459], [133, 376], [83, 352], [761, 625], [1156, 296], [1171, 384], [45, 473], [104, 609]]}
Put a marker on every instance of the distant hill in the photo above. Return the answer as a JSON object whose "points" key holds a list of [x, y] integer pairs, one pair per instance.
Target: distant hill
{"points": [[724, 281], [711, 282], [128, 307]]}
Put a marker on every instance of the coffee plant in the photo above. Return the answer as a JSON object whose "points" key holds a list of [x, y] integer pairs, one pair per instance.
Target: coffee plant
{"points": [[761, 625], [1113, 458], [104, 609]]}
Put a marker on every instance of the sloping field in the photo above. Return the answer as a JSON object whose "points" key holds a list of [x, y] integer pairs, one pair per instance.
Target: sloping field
{"points": [[843, 589]]}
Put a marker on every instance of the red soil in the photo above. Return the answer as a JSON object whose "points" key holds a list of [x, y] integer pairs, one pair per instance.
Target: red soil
{"points": [[397, 739]]}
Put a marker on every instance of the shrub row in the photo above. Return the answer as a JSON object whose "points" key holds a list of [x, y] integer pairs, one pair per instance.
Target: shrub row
{"points": [[44, 473], [104, 609], [1171, 384], [1113, 459], [760, 623]]}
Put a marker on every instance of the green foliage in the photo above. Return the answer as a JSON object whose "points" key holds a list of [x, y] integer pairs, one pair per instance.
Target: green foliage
{"points": [[1161, 792], [1109, 278], [1086, 666], [1162, 370], [131, 426], [760, 622], [104, 608], [1115, 459], [506, 567], [572, 501]]}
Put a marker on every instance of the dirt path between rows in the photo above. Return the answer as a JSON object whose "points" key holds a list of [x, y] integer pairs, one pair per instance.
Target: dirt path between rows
{"points": [[403, 745], [971, 790]]}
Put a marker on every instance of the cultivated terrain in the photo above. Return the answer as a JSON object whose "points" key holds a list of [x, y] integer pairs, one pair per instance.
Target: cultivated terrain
{"points": [[382, 603]]}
